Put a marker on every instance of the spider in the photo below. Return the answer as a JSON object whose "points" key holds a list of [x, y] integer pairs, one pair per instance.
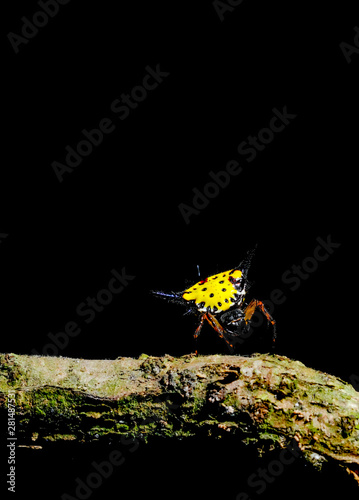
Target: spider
{"points": [[220, 300]]}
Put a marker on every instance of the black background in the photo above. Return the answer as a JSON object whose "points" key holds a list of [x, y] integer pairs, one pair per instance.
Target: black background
{"points": [[119, 207]]}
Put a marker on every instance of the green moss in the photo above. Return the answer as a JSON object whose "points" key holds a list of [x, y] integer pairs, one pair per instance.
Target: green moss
{"points": [[269, 436], [10, 372], [152, 365], [92, 414], [53, 401], [100, 431], [60, 437], [348, 425], [122, 428]]}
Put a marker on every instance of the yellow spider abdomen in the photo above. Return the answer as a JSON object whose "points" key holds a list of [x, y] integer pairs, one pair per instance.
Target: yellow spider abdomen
{"points": [[216, 293]]}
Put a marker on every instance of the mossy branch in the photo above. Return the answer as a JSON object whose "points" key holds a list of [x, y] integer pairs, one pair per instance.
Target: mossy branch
{"points": [[266, 400]]}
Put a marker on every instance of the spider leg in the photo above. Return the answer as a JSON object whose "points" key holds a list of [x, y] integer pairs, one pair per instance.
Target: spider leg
{"points": [[249, 311], [198, 330], [199, 327], [216, 325]]}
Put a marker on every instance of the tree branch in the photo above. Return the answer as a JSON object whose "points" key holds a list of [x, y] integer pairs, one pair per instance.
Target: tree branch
{"points": [[268, 401]]}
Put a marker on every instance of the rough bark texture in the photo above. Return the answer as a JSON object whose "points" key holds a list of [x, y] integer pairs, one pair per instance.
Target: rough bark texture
{"points": [[266, 400]]}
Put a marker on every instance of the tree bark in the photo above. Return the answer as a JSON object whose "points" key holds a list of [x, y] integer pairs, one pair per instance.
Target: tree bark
{"points": [[269, 401]]}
